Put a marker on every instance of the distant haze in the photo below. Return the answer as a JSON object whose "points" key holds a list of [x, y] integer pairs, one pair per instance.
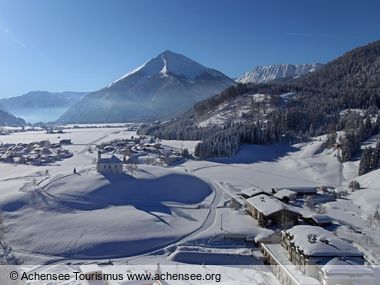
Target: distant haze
{"points": [[39, 115], [41, 106]]}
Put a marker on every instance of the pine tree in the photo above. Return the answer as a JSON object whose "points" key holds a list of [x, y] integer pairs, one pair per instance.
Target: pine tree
{"points": [[354, 185], [365, 161], [331, 139], [350, 146]]}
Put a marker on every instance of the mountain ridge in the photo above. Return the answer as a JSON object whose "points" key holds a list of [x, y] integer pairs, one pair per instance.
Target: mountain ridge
{"points": [[42, 99], [41, 106], [267, 73]]}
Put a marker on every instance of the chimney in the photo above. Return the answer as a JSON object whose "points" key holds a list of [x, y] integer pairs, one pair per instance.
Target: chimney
{"points": [[99, 155]]}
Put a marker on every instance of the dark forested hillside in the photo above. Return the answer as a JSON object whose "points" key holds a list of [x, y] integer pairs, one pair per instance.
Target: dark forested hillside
{"points": [[9, 119], [356, 70], [292, 110]]}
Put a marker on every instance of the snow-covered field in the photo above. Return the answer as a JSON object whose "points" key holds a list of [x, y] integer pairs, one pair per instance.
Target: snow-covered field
{"points": [[190, 145], [177, 214], [87, 215]]}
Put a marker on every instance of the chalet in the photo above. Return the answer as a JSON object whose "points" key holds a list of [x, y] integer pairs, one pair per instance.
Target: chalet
{"points": [[109, 165], [267, 210], [311, 247]]}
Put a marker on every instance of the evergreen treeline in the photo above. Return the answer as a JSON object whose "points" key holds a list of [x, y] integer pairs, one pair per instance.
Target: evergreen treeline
{"points": [[370, 159], [357, 130]]}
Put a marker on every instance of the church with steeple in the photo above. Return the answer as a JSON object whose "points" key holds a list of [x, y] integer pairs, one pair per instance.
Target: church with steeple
{"points": [[109, 165]]}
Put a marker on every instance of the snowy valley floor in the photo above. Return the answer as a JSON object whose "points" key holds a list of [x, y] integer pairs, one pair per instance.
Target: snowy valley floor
{"points": [[171, 215]]}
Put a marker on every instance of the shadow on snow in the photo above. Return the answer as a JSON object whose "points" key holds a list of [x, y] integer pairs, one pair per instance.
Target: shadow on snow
{"points": [[148, 195], [257, 153]]}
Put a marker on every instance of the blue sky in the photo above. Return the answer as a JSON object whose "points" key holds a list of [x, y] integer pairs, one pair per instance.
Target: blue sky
{"points": [[83, 45]]}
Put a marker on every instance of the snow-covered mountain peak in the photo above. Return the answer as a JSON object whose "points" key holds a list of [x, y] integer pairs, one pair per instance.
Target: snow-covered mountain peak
{"points": [[161, 88], [263, 74], [170, 63]]}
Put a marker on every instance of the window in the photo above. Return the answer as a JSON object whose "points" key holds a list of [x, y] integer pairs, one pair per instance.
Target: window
{"points": [[104, 166]]}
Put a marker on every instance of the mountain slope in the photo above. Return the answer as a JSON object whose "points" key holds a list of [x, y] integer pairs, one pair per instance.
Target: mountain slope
{"points": [[2, 108], [161, 88], [41, 105], [293, 109], [356, 69], [42, 99], [264, 74], [8, 119]]}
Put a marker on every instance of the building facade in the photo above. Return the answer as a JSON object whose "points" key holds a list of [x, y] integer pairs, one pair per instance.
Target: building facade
{"points": [[310, 247], [109, 165], [268, 211]]}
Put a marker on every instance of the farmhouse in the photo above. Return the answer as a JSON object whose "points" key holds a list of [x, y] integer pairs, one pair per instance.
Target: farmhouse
{"points": [[109, 165], [267, 210], [310, 247]]}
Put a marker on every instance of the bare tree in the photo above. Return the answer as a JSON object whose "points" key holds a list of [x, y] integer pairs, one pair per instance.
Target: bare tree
{"points": [[286, 221], [310, 203], [6, 252], [131, 167]]}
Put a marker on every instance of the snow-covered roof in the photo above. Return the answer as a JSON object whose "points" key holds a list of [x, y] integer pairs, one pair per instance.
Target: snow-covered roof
{"points": [[345, 266], [265, 204], [253, 191], [300, 190], [285, 193], [112, 159], [316, 241], [321, 219]]}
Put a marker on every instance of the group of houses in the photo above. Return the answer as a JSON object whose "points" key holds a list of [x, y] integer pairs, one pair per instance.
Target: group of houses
{"points": [[36, 153], [143, 150], [4, 132], [308, 252], [274, 207]]}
